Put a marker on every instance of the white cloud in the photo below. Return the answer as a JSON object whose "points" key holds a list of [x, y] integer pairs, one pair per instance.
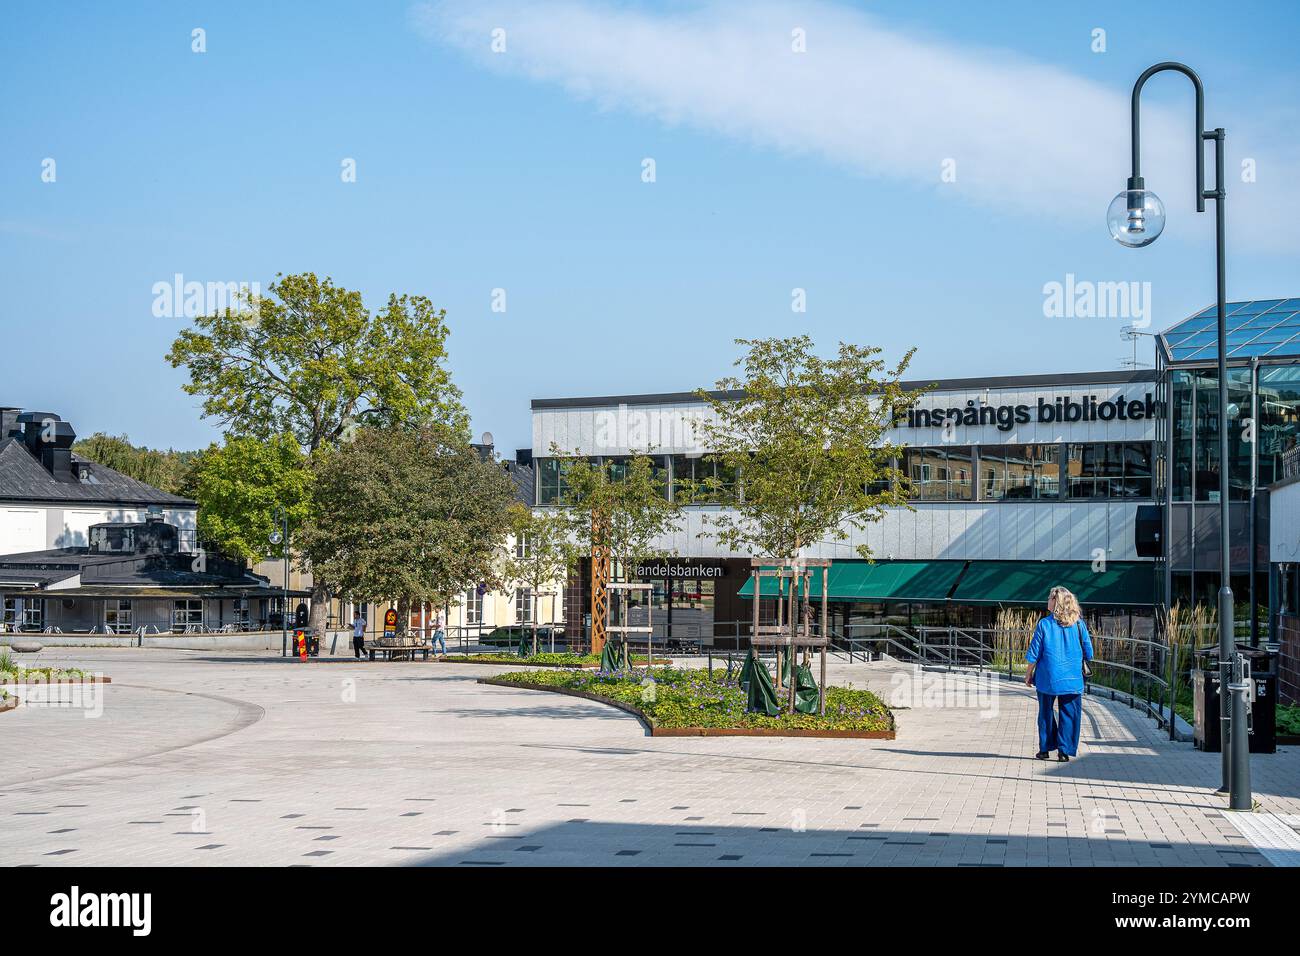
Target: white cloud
{"points": [[1027, 138]]}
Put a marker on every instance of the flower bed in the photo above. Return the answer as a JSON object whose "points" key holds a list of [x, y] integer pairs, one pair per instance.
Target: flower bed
{"points": [[691, 703], [12, 673], [541, 659]]}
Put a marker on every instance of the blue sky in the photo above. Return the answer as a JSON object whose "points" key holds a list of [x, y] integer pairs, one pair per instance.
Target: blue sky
{"points": [[522, 171]]}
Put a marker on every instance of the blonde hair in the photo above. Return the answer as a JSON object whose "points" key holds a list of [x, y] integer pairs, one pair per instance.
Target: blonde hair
{"points": [[1067, 609]]}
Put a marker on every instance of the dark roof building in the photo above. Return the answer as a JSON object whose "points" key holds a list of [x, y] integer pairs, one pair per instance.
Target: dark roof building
{"points": [[50, 496]]}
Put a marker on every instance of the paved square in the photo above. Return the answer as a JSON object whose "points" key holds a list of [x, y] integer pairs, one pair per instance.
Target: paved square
{"points": [[209, 759]]}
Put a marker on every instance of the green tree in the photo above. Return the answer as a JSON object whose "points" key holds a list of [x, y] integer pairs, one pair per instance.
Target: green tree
{"points": [[406, 514], [542, 553], [240, 486], [309, 359], [164, 470], [806, 435], [619, 505]]}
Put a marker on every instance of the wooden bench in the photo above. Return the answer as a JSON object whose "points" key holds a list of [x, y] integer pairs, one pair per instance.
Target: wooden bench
{"points": [[391, 652]]}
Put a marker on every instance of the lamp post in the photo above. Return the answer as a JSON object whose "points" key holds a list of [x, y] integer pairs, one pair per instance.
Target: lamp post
{"points": [[280, 536], [1136, 218]]}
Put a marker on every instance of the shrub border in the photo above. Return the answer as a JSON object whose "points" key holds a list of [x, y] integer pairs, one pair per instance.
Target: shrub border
{"points": [[653, 731]]}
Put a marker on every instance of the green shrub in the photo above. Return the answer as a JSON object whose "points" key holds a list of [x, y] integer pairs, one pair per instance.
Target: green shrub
{"points": [[1288, 719], [691, 698]]}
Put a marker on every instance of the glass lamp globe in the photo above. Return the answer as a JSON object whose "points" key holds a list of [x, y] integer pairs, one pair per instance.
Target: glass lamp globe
{"points": [[1136, 217], [275, 537]]}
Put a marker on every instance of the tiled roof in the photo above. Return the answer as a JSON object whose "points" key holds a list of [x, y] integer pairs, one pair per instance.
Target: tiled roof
{"points": [[23, 478]]}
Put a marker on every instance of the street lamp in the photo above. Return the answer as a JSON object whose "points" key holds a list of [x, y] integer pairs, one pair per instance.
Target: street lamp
{"points": [[280, 536], [1136, 218]]}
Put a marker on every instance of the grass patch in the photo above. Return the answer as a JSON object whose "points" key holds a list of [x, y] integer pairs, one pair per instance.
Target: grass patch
{"points": [[691, 698]]}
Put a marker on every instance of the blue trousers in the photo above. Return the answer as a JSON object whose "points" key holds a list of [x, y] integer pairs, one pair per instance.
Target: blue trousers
{"points": [[1061, 734], [437, 639]]}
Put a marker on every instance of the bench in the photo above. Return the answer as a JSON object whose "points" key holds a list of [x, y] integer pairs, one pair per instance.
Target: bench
{"points": [[392, 652]]}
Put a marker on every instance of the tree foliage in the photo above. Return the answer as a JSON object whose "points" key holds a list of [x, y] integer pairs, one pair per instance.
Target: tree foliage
{"points": [[806, 435], [622, 506], [542, 553], [239, 488], [165, 470], [310, 359], [406, 514]]}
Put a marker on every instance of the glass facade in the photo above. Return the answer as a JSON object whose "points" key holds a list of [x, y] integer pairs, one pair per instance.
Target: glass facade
{"points": [[1019, 471], [1109, 470], [940, 474], [1278, 416], [1262, 426], [689, 470]]}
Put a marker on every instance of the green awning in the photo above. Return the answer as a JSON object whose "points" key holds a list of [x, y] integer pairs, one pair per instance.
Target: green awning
{"points": [[1027, 582], [882, 581], [980, 582]]}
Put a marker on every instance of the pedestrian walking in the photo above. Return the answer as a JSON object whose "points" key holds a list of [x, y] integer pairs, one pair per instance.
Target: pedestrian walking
{"points": [[440, 631], [1058, 656], [358, 634]]}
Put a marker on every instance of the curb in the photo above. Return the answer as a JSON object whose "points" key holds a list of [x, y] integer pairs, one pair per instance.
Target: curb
{"points": [[61, 680], [653, 731]]}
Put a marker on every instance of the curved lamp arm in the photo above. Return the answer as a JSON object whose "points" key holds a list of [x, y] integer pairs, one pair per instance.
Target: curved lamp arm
{"points": [[1135, 181]]}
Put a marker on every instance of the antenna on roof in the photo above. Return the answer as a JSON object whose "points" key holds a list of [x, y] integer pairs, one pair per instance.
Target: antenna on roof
{"points": [[1131, 333]]}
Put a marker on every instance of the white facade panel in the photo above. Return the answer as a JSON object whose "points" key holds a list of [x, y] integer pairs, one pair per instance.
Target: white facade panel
{"points": [[22, 529], [1007, 531], [73, 526]]}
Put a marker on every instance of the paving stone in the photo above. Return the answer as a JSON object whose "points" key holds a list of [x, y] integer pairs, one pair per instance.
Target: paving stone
{"points": [[956, 788]]}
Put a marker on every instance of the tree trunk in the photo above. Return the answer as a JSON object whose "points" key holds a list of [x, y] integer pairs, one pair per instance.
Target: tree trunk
{"points": [[318, 614], [403, 618]]}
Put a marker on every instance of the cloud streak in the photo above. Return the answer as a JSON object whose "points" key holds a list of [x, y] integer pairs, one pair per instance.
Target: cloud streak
{"points": [[1025, 138]]}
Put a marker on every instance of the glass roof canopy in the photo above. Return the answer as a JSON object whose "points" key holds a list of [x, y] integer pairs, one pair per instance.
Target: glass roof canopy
{"points": [[1263, 327]]}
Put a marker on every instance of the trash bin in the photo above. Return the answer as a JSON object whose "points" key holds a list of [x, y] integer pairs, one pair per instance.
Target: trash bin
{"points": [[1263, 712]]}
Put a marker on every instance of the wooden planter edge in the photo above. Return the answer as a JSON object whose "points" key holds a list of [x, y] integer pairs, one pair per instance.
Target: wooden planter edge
{"points": [[62, 680], [654, 731]]}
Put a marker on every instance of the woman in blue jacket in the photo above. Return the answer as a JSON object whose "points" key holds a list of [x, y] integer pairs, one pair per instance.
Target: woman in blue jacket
{"points": [[1056, 656]]}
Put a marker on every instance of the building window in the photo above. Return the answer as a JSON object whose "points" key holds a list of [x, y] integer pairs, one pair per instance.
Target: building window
{"points": [[240, 613], [523, 605], [690, 471], [33, 614], [616, 466], [187, 615], [1109, 470], [551, 488], [24, 614], [473, 606], [939, 474], [524, 547], [117, 615], [1019, 471]]}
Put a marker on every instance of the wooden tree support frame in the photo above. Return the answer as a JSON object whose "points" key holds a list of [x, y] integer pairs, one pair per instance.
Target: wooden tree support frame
{"points": [[624, 628], [793, 628], [600, 573]]}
